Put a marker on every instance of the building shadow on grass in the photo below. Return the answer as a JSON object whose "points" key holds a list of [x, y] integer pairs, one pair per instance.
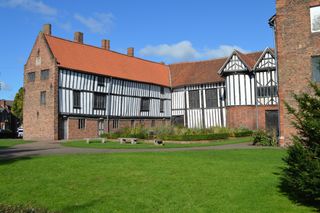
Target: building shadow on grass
{"points": [[295, 197]]}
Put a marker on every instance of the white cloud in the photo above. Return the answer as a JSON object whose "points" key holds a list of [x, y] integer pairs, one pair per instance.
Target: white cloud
{"points": [[98, 23], [4, 86], [35, 6], [184, 51]]}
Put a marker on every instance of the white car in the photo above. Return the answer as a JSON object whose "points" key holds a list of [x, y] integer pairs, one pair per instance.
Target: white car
{"points": [[20, 132]]}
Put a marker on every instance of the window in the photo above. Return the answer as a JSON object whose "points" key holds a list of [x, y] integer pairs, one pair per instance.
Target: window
{"points": [[81, 123], [161, 105], [267, 91], [212, 98], [44, 74], [76, 99], [115, 124], [31, 76], [315, 68], [99, 101], [100, 81], [315, 19], [194, 99], [145, 104], [43, 98], [162, 90]]}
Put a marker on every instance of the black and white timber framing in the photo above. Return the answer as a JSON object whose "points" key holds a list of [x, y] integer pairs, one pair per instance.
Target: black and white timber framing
{"points": [[243, 86], [123, 97]]}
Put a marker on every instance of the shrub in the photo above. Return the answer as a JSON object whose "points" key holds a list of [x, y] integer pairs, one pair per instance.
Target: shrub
{"points": [[21, 209], [301, 176], [7, 134], [196, 137], [262, 138], [242, 132]]}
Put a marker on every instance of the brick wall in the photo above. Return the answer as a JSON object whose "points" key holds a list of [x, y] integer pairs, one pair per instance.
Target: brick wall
{"points": [[90, 130], [40, 122], [295, 46], [245, 116]]}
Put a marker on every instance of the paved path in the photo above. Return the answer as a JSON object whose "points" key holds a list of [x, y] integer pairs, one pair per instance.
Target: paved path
{"points": [[55, 148]]}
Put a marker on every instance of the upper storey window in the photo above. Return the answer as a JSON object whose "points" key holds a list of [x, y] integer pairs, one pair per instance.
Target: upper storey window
{"points": [[315, 19]]}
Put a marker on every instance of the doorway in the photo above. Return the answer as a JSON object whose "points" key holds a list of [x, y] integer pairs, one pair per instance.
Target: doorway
{"points": [[272, 121]]}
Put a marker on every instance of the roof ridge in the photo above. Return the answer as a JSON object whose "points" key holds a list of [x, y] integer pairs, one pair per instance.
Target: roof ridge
{"points": [[112, 51], [193, 62]]}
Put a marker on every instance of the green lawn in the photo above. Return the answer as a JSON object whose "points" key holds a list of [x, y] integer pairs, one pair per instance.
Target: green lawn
{"points": [[141, 145], [6, 143], [195, 181]]}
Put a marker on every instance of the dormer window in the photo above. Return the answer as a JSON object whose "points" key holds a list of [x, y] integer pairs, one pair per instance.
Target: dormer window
{"points": [[315, 19]]}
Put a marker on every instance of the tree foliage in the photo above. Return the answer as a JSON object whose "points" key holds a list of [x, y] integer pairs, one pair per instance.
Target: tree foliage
{"points": [[302, 173], [17, 107]]}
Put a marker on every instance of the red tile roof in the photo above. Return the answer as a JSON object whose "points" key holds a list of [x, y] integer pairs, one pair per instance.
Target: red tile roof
{"points": [[250, 59], [96, 60], [200, 72]]}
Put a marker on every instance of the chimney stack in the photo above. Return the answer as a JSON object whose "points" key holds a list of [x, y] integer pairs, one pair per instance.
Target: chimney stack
{"points": [[105, 44], [130, 52], [78, 37], [46, 29]]}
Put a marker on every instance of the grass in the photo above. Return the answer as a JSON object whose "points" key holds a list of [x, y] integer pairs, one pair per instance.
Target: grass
{"points": [[142, 145], [7, 143], [206, 181]]}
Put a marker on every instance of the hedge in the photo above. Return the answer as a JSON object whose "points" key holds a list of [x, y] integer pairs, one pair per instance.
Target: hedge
{"points": [[243, 133], [196, 137]]}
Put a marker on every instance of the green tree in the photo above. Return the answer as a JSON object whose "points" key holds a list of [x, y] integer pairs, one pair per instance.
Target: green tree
{"points": [[301, 176], [17, 107]]}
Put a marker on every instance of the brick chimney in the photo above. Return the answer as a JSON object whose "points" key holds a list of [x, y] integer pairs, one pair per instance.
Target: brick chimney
{"points": [[130, 51], [105, 44], [78, 37], [46, 29]]}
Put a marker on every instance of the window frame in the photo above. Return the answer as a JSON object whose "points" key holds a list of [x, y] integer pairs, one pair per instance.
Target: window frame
{"points": [[100, 81], [43, 98], [162, 106], [212, 102], [314, 78], [192, 102], [76, 99], [82, 123], [162, 90], [142, 107], [312, 14], [102, 103], [44, 77], [31, 74]]}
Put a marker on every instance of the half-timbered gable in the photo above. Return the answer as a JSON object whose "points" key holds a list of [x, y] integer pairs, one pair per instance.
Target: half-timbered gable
{"points": [[266, 79]]}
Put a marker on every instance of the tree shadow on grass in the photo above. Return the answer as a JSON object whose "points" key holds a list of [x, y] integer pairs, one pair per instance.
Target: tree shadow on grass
{"points": [[288, 191], [86, 205]]}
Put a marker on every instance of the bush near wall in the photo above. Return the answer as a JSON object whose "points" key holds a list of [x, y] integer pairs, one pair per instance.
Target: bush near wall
{"points": [[178, 133], [7, 134]]}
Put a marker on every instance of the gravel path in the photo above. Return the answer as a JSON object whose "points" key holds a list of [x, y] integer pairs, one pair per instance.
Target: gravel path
{"points": [[55, 148]]}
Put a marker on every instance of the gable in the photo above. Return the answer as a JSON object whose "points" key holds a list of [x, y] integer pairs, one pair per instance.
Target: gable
{"points": [[234, 64], [267, 61]]}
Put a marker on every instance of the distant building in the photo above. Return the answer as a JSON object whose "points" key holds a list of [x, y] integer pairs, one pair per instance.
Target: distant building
{"points": [[74, 90], [297, 34], [7, 120]]}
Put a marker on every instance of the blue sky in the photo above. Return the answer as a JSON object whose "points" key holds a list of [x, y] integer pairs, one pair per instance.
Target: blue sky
{"points": [[167, 30]]}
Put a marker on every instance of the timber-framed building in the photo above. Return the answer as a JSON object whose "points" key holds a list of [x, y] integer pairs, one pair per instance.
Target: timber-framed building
{"points": [[74, 90]]}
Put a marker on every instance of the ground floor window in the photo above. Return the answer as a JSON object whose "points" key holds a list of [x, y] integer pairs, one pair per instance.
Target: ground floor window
{"points": [[81, 123], [115, 124]]}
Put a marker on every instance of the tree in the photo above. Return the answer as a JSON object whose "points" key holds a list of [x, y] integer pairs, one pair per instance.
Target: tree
{"points": [[301, 176], [17, 107]]}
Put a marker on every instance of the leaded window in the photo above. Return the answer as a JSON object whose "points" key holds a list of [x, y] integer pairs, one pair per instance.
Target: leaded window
{"points": [[81, 123], [145, 104], [100, 81], [161, 105], [43, 97], [316, 68], [266, 91], [76, 99], [44, 74], [212, 98], [31, 76], [194, 99], [99, 101]]}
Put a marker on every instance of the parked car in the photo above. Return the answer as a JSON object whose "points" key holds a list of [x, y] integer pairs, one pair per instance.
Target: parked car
{"points": [[20, 132]]}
